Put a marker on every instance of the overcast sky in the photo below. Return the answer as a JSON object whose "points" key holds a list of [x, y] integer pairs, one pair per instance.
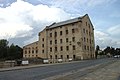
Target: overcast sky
{"points": [[22, 20]]}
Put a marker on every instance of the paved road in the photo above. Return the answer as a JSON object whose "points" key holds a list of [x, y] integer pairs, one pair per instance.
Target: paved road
{"points": [[42, 72]]}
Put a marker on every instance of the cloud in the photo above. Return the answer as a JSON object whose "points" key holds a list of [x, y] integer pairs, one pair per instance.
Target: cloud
{"points": [[22, 19], [114, 31], [79, 6], [109, 37]]}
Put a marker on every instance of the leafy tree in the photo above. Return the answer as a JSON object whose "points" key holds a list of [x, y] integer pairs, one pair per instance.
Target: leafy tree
{"points": [[3, 48], [96, 51], [9, 52], [14, 52]]}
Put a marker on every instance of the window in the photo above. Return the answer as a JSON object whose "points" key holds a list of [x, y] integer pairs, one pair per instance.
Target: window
{"points": [[66, 31], [55, 41], [50, 34], [51, 42], [67, 48], [61, 48], [61, 33], [43, 45], [60, 40], [86, 31], [73, 30], [90, 41], [25, 52], [42, 39], [67, 56], [50, 49], [66, 39], [87, 39], [36, 51], [84, 39], [86, 23], [55, 34], [74, 56], [55, 56], [61, 56], [83, 30], [89, 33], [55, 48], [42, 51], [73, 39], [50, 56], [73, 47], [89, 25], [85, 47]]}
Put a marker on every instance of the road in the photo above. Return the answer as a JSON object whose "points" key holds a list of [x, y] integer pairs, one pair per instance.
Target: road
{"points": [[43, 72]]}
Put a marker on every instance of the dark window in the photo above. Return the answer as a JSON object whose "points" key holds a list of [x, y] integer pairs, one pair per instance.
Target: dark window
{"points": [[73, 47], [25, 52], [61, 33], [36, 51], [42, 39], [42, 51], [61, 48], [51, 42], [50, 49], [55, 34], [85, 47], [66, 31], [86, 31], [89, 25], [60, 40], [50, 56], [67, 48], [61, 56], [67, 56], [89, 34], [66, 39], [43, 45], [84, 39], [50, 34], [73, 30], [55, 48], [74, 56], [55, 41], [73, 39], [87, 39], [83, 30], [55, 56], [90, 41]]}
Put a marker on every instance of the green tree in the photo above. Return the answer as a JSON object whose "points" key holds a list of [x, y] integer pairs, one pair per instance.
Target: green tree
{"points": [[3, 48], [96, 51], [14, 52]]}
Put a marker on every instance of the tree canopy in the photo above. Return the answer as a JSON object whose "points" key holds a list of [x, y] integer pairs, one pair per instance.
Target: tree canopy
{"points": [[9, 52]]}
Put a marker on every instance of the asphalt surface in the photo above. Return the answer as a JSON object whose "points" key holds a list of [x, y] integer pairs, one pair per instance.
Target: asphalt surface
{"points": [[43, 72]]}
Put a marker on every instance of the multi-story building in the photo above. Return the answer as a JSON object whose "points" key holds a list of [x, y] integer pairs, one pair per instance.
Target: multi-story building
{"points": [[68, 40]]}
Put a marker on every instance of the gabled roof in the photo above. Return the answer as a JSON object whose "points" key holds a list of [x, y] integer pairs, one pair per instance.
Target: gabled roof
{"points": [[65, 22]]}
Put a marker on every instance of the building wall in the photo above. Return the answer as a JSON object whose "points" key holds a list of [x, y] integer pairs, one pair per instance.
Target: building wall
{"points": [[70, 41], [31, 50], [43, 44]]}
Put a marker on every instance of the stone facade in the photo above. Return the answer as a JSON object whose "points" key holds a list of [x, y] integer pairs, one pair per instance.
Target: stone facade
{"points": [[68, 40]]}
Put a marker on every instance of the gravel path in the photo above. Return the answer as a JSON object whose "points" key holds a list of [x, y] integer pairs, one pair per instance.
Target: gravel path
{"points": [[108, 71]]}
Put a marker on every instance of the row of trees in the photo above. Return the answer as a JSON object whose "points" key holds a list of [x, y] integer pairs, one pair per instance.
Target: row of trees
{"points": [[9, 52], [108, 50]]}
